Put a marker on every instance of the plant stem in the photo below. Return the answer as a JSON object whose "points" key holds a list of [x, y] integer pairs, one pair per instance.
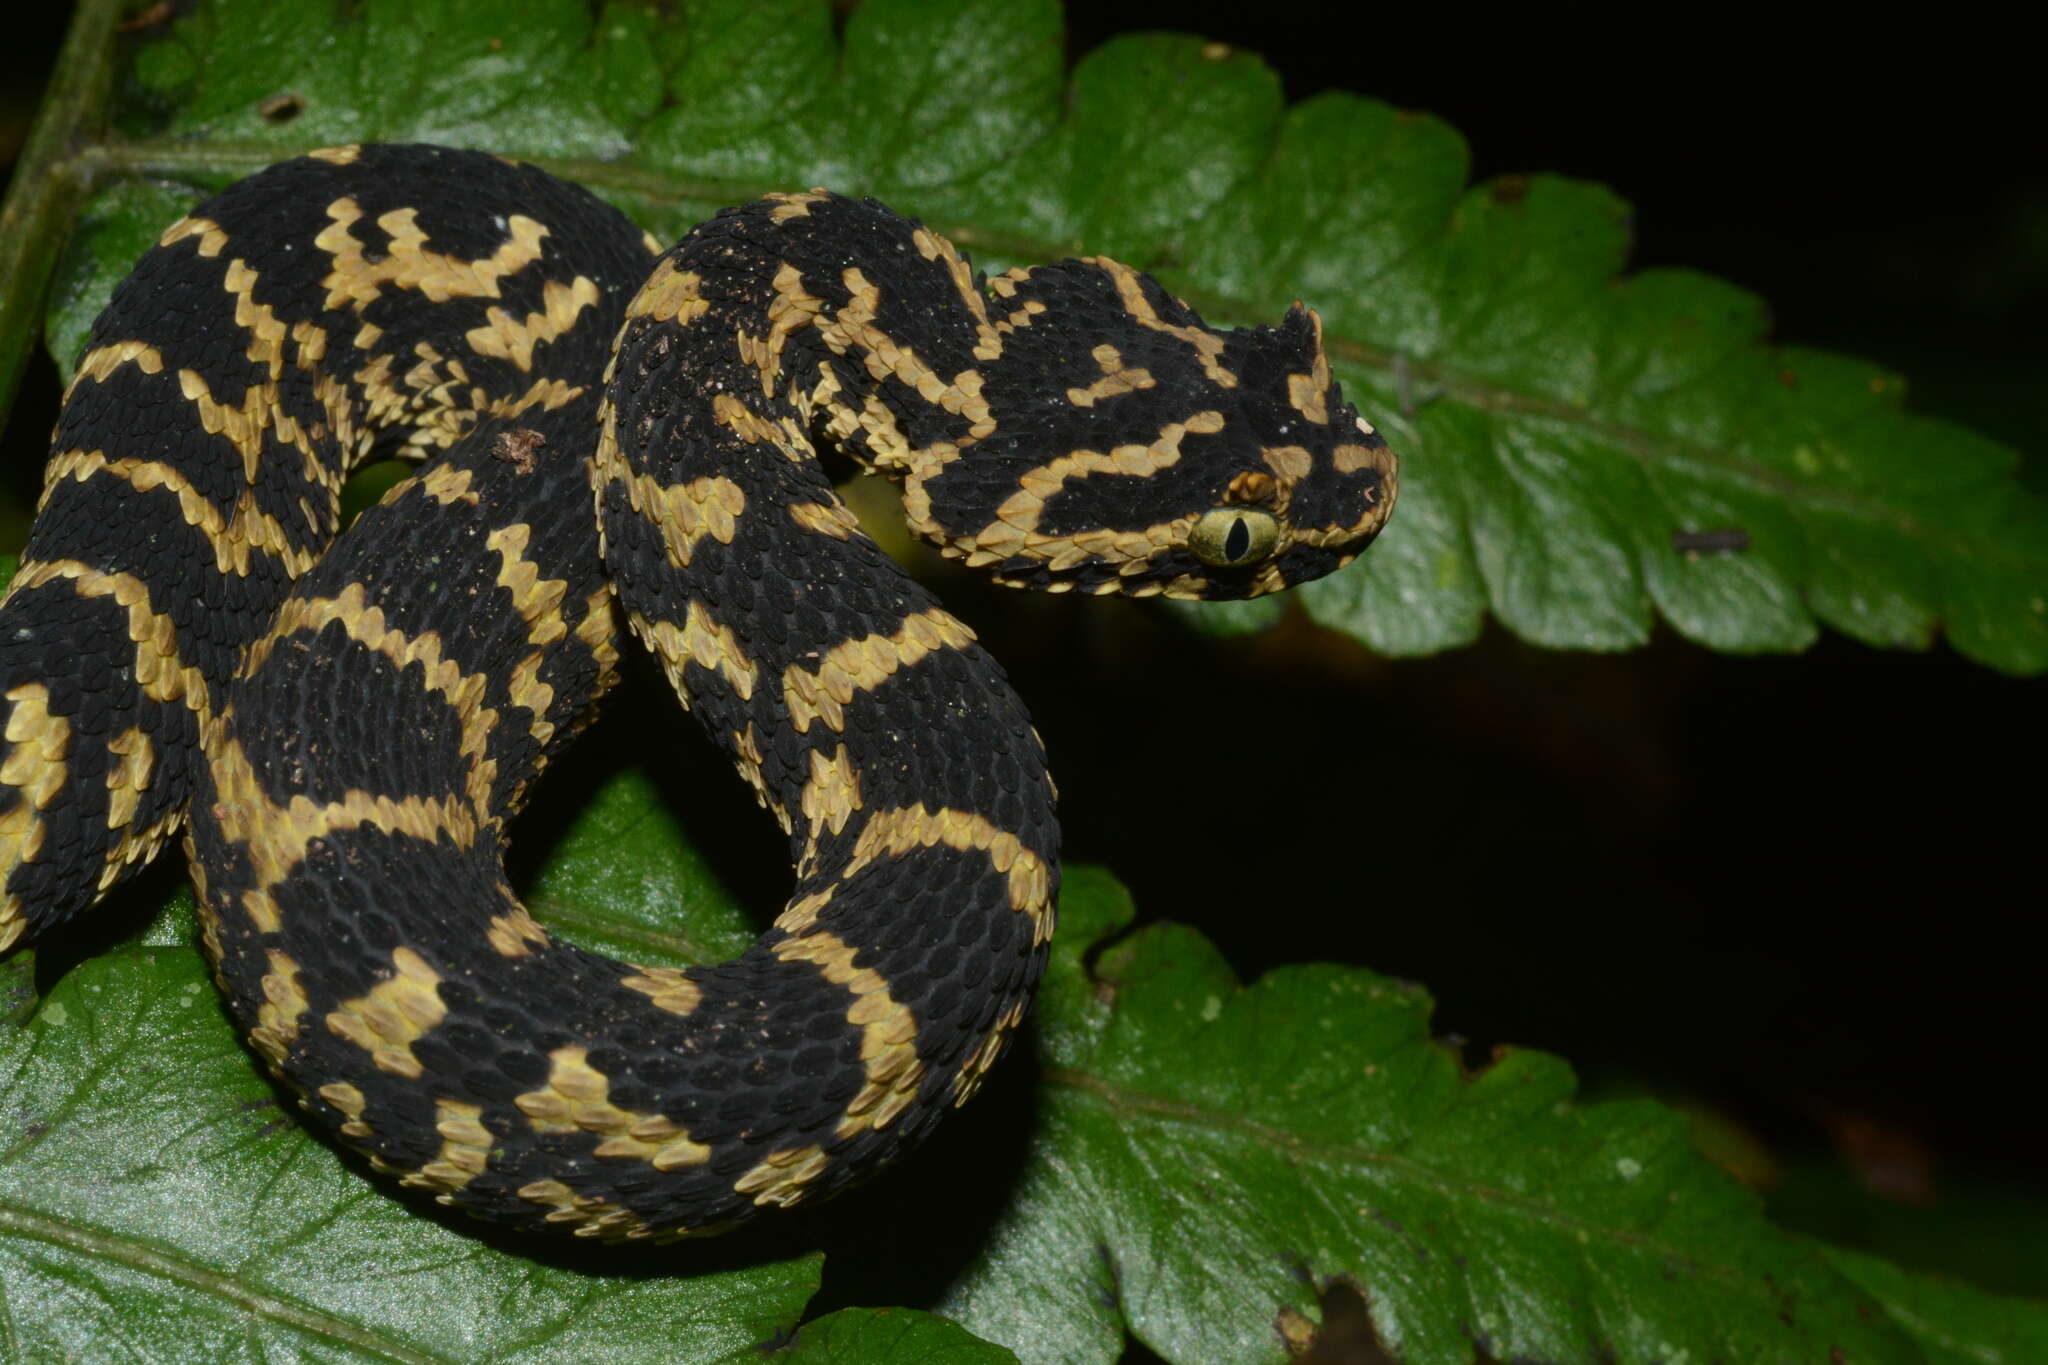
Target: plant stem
{"points": [[49, 183]]}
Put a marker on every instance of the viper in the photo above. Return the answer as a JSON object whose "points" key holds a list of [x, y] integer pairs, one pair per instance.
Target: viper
{"points": [[613, 434]]}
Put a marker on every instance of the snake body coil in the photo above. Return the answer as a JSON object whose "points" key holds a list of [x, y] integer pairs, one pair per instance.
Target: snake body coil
{"points": [[348, 731]]}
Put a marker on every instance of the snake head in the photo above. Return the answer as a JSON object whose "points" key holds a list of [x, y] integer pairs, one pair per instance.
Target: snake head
{"points": [[1299, 485], [1163, 457]]}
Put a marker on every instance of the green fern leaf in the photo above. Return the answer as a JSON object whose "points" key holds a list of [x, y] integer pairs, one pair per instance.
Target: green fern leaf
{"points": [[1195, 1162]]}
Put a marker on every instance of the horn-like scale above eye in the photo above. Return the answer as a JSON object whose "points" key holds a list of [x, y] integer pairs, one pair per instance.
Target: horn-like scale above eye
{"points": [[1231, 537]]}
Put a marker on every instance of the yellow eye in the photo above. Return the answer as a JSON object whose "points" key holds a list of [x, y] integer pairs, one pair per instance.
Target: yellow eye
{"points": [[1227, 537]]}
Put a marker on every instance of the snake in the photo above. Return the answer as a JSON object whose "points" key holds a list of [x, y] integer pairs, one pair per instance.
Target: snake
{"points": [[611, 436]]}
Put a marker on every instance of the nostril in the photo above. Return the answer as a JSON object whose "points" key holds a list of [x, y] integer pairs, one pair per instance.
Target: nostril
{"points": [[281, 108]]}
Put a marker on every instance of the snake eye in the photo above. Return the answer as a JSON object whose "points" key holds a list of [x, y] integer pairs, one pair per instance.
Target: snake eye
{"points": [[1227, 537]]}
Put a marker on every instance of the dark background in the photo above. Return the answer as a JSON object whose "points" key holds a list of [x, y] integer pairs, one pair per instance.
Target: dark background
{"points": [[1802, 891]]}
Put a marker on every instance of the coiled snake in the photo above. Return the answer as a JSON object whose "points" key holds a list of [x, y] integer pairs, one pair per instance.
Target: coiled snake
{"points": [[343, 735]]}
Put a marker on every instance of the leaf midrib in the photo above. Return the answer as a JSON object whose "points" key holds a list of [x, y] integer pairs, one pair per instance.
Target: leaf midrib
{"points": [[561, 912], [153, 1260], [151, 157], [1126, 1103]]}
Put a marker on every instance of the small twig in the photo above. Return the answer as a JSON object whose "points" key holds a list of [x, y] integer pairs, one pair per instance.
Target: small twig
{"points": [[50, 184]]}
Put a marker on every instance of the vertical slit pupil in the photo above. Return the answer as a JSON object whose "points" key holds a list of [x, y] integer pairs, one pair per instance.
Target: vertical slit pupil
{"points": [[1237, 540]]}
